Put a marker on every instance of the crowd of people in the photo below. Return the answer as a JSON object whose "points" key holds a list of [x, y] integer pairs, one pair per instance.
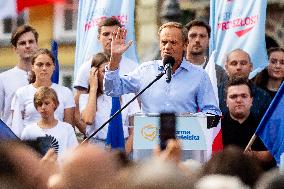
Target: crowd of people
{"points": [[32, 106], [91, 166]]}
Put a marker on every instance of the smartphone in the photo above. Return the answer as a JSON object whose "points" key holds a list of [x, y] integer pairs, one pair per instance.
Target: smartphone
{"points": [[167, 128]]}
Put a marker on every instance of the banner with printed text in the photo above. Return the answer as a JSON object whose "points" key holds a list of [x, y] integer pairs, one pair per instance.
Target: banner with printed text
{"points": [[90, 13], [239, 24]]}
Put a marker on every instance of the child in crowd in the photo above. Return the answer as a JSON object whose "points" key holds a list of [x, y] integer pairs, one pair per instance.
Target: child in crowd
{"points": [[61, 133]]}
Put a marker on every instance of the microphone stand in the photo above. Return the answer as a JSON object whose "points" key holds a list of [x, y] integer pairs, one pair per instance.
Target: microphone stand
{"points": [[118, 111], [168, 69]]}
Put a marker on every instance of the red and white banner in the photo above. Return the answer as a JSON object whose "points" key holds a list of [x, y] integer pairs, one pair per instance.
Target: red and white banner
{"points": [[216, 133], [11, 8], [239, 24]]}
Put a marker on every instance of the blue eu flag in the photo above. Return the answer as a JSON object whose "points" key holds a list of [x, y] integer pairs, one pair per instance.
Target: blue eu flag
{"points": [[54, 50], [5, 132], [271, 127], [115, 135]]}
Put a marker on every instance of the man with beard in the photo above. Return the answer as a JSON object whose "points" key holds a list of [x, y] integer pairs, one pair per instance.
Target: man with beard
{"points": [[239, 125], [198, 42]]}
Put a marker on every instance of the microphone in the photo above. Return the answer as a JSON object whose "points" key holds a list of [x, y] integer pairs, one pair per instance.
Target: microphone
{"points": [[168, 63]]}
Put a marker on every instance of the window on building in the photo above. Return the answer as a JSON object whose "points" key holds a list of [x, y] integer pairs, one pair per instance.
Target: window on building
{"points": [[65, 22], [8, 25]]}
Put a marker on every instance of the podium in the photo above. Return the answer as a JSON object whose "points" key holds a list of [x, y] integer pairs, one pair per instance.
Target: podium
{"points": [[193, 131]]}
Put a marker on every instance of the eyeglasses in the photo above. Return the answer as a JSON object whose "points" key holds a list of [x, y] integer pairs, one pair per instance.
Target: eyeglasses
{"points": [[274, 61]]}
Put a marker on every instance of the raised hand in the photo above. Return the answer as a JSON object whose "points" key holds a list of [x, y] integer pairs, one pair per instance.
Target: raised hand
{"points": [[118, 47], [93, 78]]}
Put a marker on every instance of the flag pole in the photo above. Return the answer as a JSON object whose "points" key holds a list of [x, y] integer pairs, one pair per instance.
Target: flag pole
{"points": [[251, 141], [55, 74]]}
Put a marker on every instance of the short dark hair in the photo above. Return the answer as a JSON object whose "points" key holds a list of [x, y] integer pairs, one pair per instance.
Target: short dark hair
{"points": [[20, 31], [110, 21], [235, 81], [274, 49], [199, 23]]}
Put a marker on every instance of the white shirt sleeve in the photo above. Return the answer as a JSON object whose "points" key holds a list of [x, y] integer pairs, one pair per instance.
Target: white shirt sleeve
{"points": [[72, 139], [83, 100], [134, 108], [82, 75], [25, 135], [17, 117], [68, 98]]}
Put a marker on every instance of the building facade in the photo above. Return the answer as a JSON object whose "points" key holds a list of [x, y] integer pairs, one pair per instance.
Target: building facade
{"points": [[53, 22]]}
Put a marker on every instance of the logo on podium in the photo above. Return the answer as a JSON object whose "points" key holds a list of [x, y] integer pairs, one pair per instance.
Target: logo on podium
{"points": [[149, 132]]}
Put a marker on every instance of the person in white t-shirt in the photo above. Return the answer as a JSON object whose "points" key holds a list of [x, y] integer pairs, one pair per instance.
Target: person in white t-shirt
{"points": [[105, 29], [95, 107], [25, 42], [23, 110], [62, 134]]}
